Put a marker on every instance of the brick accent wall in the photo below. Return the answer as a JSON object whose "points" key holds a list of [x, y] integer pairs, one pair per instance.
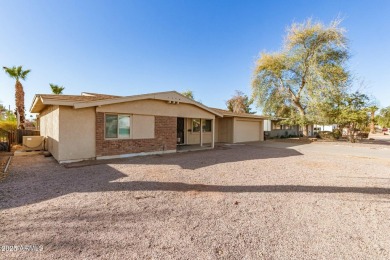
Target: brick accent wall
{"points": [[165, 138]]}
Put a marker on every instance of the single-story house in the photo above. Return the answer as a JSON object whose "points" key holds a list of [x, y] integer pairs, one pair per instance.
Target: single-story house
{"points": [[98, 126], [330, 128], [274, 128]]}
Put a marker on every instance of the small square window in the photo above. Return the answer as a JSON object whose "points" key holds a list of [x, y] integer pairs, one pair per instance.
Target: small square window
{"points": [[117, 126]]}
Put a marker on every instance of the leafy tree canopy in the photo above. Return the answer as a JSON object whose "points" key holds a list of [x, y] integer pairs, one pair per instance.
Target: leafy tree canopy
{"points": [[353, 110], [310, 65], [188, 94], [239, 103], [383, 119]]}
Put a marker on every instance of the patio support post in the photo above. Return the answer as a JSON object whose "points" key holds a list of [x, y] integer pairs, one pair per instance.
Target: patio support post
{"points": [[213, 129], [201, 133]]}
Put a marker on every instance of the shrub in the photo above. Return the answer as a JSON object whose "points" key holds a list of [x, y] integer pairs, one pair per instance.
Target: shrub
{"points": [[8, 125], [362, 135], [326, 135], [337, 133]]}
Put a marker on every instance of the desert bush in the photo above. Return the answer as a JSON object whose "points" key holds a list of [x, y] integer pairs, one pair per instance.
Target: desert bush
{"points": [[337, 133], [362, 135], [326, 135], [8, 125]]}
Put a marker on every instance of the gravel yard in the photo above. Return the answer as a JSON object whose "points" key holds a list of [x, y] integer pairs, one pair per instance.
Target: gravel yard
{"points": [[255, 201]]}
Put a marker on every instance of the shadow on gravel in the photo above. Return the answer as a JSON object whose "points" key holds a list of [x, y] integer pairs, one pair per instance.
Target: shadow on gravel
{"points": [[183, 187], [41, 178], [199, 159], [49, 185]]}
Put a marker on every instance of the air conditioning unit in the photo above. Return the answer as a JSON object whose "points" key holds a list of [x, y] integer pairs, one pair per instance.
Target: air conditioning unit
{"points": [[33, 143]]}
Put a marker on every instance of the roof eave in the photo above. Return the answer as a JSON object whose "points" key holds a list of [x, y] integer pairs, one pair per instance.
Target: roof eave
{"points": [[47, 102], [78, 105], [57, 102], [34, 103], [248, 116]]}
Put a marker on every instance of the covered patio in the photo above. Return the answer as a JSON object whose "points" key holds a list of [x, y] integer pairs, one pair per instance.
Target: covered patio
{"points": [[195, 133]]}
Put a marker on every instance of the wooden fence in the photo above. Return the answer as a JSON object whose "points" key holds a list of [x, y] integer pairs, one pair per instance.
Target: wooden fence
{"points": [[18, 135], [8, 138], [4, 141]]}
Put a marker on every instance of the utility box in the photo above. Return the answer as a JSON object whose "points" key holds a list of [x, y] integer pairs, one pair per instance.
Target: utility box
{"points": [[33, 143]]}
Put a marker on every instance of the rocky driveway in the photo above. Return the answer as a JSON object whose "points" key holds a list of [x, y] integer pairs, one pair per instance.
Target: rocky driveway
{"points": [[250, 201]]}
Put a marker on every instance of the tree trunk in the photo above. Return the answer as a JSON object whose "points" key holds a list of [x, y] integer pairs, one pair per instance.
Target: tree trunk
{"points": [[305, 127], [372, 125], [352, 133], [19, 102]]}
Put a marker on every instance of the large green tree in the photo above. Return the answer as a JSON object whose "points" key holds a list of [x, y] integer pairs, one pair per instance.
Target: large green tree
{"points": [[383, 118], [18, 74], [55, 89], [353, 113], [240, 103], [311, 64]]}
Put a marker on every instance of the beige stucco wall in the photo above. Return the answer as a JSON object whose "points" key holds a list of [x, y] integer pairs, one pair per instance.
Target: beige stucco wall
{"points": [[216, 129], [49, 128], [77, 133], [224, 126], [248, 130], [194, 138], [157, 108], [142, 127], [69, 133]]}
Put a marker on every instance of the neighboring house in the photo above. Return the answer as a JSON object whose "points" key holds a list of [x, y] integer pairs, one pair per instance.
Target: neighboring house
{"points": [[97, 126], [321, 128], [274, 128]]}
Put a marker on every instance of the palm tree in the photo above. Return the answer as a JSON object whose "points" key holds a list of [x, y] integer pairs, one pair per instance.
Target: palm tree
{"points": [[56, 89], [18, 73], [372, 111]]}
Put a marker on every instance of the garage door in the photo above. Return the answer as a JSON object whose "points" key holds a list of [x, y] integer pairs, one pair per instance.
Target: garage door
{"points": [[246, 131]]}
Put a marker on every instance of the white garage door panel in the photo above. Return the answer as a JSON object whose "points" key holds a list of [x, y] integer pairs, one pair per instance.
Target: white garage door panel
{"points": [[247, 131]]}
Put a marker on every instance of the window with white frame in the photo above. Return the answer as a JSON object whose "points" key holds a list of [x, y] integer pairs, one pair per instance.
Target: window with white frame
{"points": [[117, 126]]}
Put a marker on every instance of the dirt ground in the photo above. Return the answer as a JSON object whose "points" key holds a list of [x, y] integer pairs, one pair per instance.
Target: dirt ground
{"points": [[265, 200]]}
